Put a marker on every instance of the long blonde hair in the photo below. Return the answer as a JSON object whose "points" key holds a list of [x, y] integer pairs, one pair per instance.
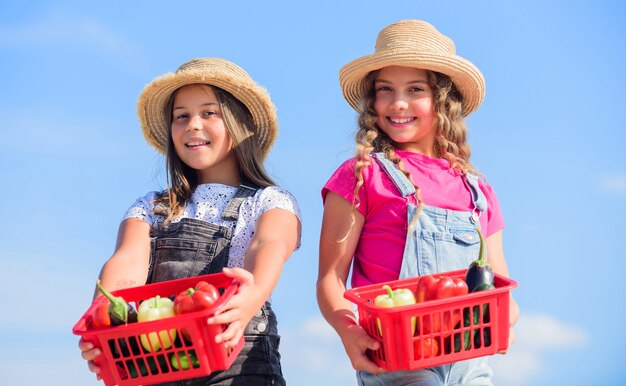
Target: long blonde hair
{"points": [[183, 180], [450, 136]]}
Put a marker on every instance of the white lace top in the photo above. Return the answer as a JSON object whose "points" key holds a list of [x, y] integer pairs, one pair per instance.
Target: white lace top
{"points": [[208, 202]]}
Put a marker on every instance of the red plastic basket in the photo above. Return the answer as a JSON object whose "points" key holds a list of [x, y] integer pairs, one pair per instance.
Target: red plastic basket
{"points": [[125, 362], [446, 330]]}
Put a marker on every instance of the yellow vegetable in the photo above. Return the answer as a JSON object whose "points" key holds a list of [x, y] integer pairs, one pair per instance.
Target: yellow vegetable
{"points": [[154, 309]]}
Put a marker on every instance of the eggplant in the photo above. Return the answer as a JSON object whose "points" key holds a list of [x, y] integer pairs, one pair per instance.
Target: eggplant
{"points": [[479, 272], [120, 311]]}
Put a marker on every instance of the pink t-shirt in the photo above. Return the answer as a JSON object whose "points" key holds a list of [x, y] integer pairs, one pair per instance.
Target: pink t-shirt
{"points": [[381, 245]]}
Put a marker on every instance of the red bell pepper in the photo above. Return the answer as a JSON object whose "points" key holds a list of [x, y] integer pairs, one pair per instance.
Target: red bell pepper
{"points": [[440, 287], [425, 347], [201, 297]]}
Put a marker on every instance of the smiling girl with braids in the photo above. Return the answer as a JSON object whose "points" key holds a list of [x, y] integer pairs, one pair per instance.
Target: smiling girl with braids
{"points": [[408, 204]]}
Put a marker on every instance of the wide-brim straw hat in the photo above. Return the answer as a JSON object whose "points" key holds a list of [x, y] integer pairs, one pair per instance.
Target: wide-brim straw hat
{"points": [[414, 43], [218, 72]]}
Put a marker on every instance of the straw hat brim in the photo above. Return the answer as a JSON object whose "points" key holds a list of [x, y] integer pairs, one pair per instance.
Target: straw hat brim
{"points": [[153, 100], [465, 75]]}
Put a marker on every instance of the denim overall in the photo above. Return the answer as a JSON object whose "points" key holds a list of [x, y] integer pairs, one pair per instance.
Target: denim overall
{"points": [[194, 247], [441, 240]]}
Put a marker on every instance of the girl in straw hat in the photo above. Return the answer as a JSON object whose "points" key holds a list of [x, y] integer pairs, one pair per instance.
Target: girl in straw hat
{"points": [[215, 126], [409, 203]]}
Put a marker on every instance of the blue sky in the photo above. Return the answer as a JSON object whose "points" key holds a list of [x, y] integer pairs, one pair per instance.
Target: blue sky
{"points": [[550, 138]]}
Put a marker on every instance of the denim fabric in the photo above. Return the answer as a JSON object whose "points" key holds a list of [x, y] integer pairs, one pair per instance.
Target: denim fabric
{"points": [[193, 247], [474, 372], [440, 240], [187, 248], [258, 364]]}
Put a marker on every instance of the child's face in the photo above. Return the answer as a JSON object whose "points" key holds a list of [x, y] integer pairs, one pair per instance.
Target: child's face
{"points": [[199, 134], [405, 109]]}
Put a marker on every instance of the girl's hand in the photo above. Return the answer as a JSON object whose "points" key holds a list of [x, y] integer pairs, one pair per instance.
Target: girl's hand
{"points": [[89, 352], [356, 341], [239, 310]]}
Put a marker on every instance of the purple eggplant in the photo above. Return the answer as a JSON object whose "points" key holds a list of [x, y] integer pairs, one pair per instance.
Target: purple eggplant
{"points": [[479, 272]]}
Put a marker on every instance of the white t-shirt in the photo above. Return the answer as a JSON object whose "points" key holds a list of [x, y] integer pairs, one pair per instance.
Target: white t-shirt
{"points": [[209, 201]]}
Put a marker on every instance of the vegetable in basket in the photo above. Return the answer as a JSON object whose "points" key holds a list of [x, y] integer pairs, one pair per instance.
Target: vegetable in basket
{"points": [[479, 272], [154, 309], [118, 311], [425, 347], [182, 361], [201, 297], [433, 287], [395, 298], [474, 320]]}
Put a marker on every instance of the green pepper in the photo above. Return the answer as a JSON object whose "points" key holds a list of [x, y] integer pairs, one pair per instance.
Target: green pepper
{"points": [[154, 309], [395, 298], [180, 361]]}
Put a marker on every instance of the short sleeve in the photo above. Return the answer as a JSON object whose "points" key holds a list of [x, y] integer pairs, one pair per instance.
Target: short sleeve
{"points": [[143, 208], [343, 182], [275, 197]]}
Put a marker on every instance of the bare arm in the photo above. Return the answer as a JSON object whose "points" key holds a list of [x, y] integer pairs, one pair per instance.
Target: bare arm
{"points": [[275, 238], [496, 258], [341, 229], [127, 267]]}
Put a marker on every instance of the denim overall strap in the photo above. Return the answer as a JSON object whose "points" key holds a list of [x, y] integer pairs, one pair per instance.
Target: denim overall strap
{"points": [[187, 248], [231, 213], [193, 247], [478, 197], [405, 187]]}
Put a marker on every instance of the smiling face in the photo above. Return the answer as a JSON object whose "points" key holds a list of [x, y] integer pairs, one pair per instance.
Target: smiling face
{"points": [[404, 108], [200, 137]]}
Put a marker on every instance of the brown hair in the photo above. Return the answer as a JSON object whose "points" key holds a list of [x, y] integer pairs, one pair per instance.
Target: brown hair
{"points": [[182, 180]]}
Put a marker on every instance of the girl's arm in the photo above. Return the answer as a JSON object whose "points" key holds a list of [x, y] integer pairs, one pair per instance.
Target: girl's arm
{"points": [[496, 258], [341, 229], [127, 267], [275, 238]]}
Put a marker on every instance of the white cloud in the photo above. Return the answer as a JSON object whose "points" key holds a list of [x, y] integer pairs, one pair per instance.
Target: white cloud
{"points": [[614, 184], [66, 29], [516, 368], [534, 335], [313, 347], [545, 332], [318, 328]]}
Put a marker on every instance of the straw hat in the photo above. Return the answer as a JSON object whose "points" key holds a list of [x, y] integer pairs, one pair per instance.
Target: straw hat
{"points": [[212, 71], [414, 43]]}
